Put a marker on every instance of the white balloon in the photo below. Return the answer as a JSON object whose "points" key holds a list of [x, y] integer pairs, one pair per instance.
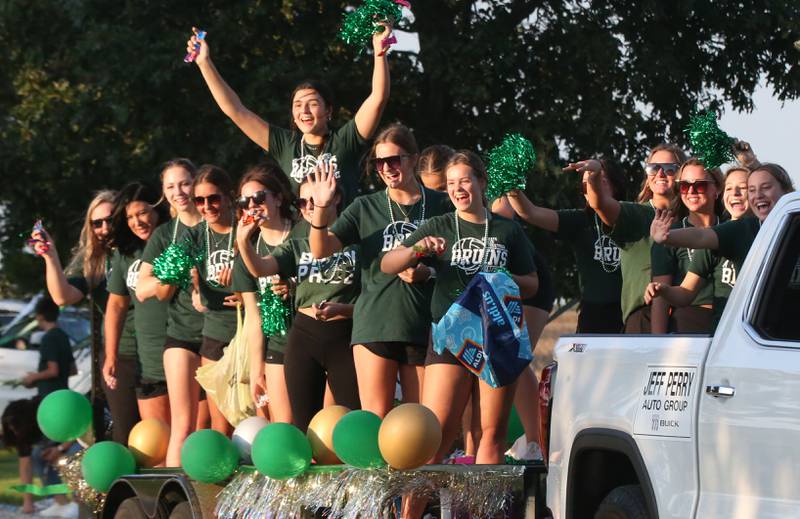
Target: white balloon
{"points": [[245, 433]]}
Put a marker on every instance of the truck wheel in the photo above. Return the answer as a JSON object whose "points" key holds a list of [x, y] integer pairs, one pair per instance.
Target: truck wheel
{"points": [[182, 510], [625, 502], [130, 509]]}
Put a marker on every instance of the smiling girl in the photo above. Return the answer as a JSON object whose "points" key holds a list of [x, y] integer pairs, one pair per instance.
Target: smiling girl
{"points": [[312, 139], [137, 214]]}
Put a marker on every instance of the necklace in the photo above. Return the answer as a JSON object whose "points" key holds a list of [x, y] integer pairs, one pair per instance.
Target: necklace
{"points": [[175, 230], [228, 249], [685, 221], [603, 241], [286, 228], [485, 238], [333, 270], [398, 237]]}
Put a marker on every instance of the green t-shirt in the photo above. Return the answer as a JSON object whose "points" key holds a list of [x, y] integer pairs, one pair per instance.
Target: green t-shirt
{"points": [[55, 347], [98, 293], [150, 317], [388, 309], [244, 281], [343, 146], [183, 321], [632, 235], [596, 255], [219, 322], [706, 264], [674, 261], [466, 254], [735, 239]]}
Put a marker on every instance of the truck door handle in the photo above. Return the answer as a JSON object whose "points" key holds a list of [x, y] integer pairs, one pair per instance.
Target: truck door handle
{"points": [[720, 391]]}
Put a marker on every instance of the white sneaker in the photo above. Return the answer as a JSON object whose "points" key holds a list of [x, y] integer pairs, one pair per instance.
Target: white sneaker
{"points": [[522, 450], [66, 511]]}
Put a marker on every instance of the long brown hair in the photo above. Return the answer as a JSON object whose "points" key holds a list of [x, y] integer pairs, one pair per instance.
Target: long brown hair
{"points": [[89, 254], [680, 157], [397, 134], [677, 205]]}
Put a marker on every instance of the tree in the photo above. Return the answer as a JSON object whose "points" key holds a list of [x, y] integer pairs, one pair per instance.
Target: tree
{"points": [[94, 97]]}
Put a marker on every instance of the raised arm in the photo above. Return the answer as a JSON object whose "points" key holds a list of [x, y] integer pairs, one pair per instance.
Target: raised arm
{"points": [[598, 191], [256, 265], [321, 241], [689, 238], [369, 114], [541, 217], [228, 101], [59, 288]]}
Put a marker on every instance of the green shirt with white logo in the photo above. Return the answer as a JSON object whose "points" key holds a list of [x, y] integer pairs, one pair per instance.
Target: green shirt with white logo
{"points": [[735, 239], [632, 235], [707, 264], [466, 254], [674, 261], [388, 309]]}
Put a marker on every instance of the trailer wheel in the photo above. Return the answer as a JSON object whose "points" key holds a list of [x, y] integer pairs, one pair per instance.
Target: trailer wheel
{"points": [[626, 502], [182, 510], [130, 509]]}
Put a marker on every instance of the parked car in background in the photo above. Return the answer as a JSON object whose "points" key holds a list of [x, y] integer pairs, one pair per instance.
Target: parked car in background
{"points": [[19, 347]]}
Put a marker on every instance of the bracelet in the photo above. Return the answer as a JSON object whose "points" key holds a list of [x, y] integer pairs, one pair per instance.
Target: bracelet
{"points": [[323, 206], [319, 227]]}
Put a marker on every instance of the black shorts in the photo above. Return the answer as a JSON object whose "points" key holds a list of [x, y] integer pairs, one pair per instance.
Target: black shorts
{"points": [[273, 356], [600, 317], [149, 388], [172, 342], [212, 349], [400, 352], [441, 358]]}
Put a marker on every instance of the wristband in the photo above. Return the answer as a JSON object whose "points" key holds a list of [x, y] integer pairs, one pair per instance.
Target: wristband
{"points": [[319, 227]]}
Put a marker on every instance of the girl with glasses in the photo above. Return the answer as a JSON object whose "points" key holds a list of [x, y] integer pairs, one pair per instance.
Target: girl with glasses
{"points": [[697, 205], [706, 264], [137, 214], [311, 139], [628, 224], [318, 343], [181, 354], [391, 320], [86, 278], [266, 222], [214, 237]]}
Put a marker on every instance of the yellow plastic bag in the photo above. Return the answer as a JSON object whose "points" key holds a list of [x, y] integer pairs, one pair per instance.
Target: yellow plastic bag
{"points": [[227, 381]]}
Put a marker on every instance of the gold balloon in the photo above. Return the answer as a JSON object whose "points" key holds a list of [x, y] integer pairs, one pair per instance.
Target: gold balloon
{"points": [[148, 441], [320, 434], [409, 436]]}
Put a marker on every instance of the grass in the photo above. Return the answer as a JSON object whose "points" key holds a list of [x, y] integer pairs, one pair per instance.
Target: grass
{"points": [[9, 476]]}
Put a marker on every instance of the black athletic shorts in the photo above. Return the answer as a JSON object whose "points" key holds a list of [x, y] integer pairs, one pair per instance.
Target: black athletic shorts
{"points": [[149, 388], [212, 349], [400, 352], [172, 342]]}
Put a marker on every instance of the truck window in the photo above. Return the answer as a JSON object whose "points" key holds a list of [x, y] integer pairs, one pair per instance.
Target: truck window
{"points": [[777, 316]]}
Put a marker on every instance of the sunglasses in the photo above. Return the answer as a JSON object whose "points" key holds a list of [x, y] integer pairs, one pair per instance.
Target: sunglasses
{"points": [[303, 203], [97, 223], [700, 186], [258, 198], [393, 162], [669, 168], [215, 199]]}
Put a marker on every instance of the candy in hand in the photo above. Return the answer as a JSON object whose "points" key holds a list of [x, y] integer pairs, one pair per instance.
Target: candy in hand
{"points": [[421, 252], [38, 245], [201, 35]]}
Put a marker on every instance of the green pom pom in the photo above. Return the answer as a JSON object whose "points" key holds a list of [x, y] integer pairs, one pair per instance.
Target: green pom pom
{"points": [[359, 25], [709, 143], [274, 312], [509, 165], [174, 265]]}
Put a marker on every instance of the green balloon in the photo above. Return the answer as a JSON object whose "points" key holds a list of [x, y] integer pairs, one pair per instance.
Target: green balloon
{"points": [[281, 451], [515, 429], [104, 462], [209, 456], [355, 440], [64, 415]]}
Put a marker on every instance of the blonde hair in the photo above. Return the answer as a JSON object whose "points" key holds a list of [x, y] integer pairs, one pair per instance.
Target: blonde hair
{"points": [[680, 157], [89, 254]]}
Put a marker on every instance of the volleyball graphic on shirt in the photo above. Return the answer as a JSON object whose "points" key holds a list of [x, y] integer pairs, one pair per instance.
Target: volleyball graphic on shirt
{"points": [[395, 233], [304, 166], [471, 255], [337, 269], [217, 262], [132, 277], [606, 253]]}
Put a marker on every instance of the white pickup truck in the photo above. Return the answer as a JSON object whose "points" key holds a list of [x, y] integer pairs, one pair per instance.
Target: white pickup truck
{"points": [[687, 426]]}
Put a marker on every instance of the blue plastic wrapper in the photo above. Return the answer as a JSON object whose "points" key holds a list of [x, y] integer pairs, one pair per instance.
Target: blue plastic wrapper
{"points": [[485, 330]]}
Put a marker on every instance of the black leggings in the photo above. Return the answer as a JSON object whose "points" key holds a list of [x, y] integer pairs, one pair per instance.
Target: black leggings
{"points": [[122, 401], [316, 349]]}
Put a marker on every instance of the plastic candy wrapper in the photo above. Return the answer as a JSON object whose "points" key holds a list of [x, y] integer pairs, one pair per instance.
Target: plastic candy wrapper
{"points": [[190, 57], [39, 246], [485, 330]]}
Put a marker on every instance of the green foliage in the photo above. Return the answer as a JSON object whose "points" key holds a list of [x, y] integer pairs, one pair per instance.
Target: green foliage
{"points": [[95, 95]]}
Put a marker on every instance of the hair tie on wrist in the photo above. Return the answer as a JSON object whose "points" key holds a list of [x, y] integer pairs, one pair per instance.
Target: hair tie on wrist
{"points": [[319, 227]]}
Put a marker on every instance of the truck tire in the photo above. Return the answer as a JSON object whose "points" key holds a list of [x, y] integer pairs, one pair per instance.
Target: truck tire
{"points": [[182, 510], [130, 509], [626, 502]]}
